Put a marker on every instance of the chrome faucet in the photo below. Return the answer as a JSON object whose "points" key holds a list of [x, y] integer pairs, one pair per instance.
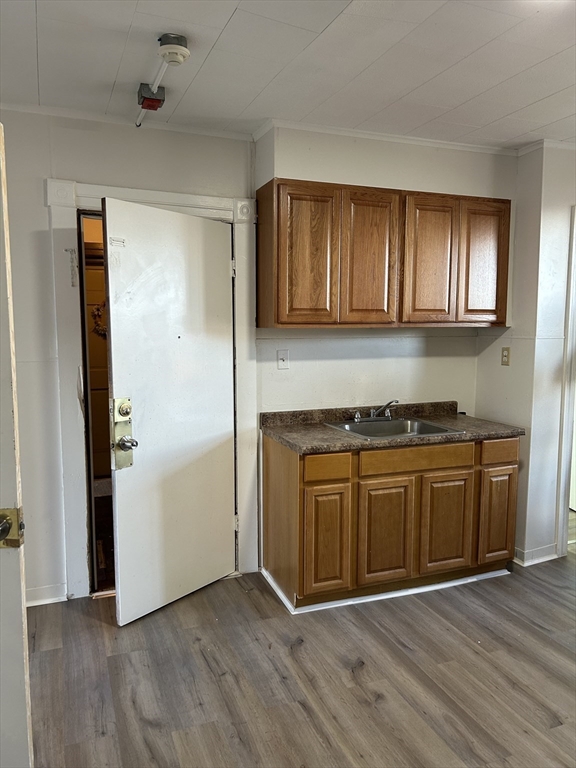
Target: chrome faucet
{"points": [[386, 408]]}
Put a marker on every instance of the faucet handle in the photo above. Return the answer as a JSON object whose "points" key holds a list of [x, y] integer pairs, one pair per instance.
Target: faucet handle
{"points": [[387, 408]]}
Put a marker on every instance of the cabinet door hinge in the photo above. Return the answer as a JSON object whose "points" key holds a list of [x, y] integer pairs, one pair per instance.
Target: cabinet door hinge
{"points": [[236, 523], [233, 267]]}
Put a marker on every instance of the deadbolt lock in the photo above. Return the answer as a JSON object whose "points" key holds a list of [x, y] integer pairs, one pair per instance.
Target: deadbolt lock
{"points": [[11, 528], [125, 409]]}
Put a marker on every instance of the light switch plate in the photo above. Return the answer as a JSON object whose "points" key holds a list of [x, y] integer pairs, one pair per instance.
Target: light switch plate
{"points": [[505, 359], [282, 359]]}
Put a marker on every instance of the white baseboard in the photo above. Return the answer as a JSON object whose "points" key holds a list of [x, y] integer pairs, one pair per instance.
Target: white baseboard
{"points": [[535, 556], [53, 593], [383, 596]]}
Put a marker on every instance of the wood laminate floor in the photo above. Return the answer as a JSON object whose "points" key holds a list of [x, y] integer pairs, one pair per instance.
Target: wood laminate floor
{"points": [[480, 675]]}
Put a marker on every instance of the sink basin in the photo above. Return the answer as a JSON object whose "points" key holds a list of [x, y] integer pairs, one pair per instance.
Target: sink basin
{"points": [[374, 429]]}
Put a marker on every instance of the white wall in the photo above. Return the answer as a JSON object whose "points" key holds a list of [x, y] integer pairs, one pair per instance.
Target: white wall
{"points": [[529, 392], [40, 147], [506, 393], [558, 197], [362, 368], [332, 368], [335, 158]]}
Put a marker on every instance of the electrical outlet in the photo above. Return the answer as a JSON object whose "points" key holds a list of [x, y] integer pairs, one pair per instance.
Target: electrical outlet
{"points": [[282, 359], [505, 359]]}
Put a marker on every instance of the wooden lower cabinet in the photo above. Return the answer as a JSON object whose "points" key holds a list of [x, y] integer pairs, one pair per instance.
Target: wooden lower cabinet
{"points": [[326, 538], [497, 513], [385, 529], [446, 521], [348, 524]]}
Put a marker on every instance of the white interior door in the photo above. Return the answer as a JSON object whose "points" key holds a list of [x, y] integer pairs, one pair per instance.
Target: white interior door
{"points": [[171, 352]]}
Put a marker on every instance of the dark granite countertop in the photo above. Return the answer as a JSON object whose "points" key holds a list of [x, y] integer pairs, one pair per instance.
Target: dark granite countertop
{"points": [[305, 432]]}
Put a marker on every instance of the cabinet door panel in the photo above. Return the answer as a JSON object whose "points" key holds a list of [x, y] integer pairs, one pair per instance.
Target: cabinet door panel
{"points": [[483, 271], [385, 529], [497, 513], [431, 259], [326, 538], [308, 253], [369, 256], [446, 521]]}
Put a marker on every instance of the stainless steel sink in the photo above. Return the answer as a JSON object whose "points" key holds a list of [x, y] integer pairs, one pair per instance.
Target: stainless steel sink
{"points": [[375, 428]]}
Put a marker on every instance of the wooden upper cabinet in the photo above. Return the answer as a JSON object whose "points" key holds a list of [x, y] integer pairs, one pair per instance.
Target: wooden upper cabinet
{"points": [[332, 254], [369, 255], [430, 258], [483, 267], [308, 253]]}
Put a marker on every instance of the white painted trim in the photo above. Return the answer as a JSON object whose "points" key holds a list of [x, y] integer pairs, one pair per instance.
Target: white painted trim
{"points": [[98, 118], [88, 194], [60, 192], [568, 398], [383, 596], [260, 497], [244, 246], [239, 213], [356, 134], [544, 143], [269, 125], [530, 148], [283, 599], [73, 488], [535, 556], [54, 593]]}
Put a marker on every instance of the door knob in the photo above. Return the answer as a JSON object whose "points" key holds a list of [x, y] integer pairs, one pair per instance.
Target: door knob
{"points": [[5, 526], [127, 443]]}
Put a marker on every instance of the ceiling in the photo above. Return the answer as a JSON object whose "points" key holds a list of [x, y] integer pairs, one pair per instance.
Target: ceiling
{"points": [[497, 73]]}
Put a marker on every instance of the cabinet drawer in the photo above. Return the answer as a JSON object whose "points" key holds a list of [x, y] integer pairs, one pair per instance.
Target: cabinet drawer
{"points": [[327, 466], [421, 457], [500, 451]]}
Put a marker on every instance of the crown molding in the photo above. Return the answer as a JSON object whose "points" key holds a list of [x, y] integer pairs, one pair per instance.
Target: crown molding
{"points": [[545, 144], [551, 144], [263, 130], [534, 147], [270, 124], [390, 138], [110, 120]]}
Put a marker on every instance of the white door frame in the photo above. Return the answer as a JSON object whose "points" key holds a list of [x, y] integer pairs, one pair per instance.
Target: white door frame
{"points": [[63, 198], [567, 425]]}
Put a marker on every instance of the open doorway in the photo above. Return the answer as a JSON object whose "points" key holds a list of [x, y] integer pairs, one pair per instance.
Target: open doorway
{"points": [[96, 401]]}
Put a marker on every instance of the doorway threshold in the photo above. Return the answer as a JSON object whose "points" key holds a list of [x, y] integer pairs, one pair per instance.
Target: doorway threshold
{"points": [[104, 593]]}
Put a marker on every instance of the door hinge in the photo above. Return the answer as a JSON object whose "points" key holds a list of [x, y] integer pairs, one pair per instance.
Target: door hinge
{"points": [[236, 523], [233, 267]]}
